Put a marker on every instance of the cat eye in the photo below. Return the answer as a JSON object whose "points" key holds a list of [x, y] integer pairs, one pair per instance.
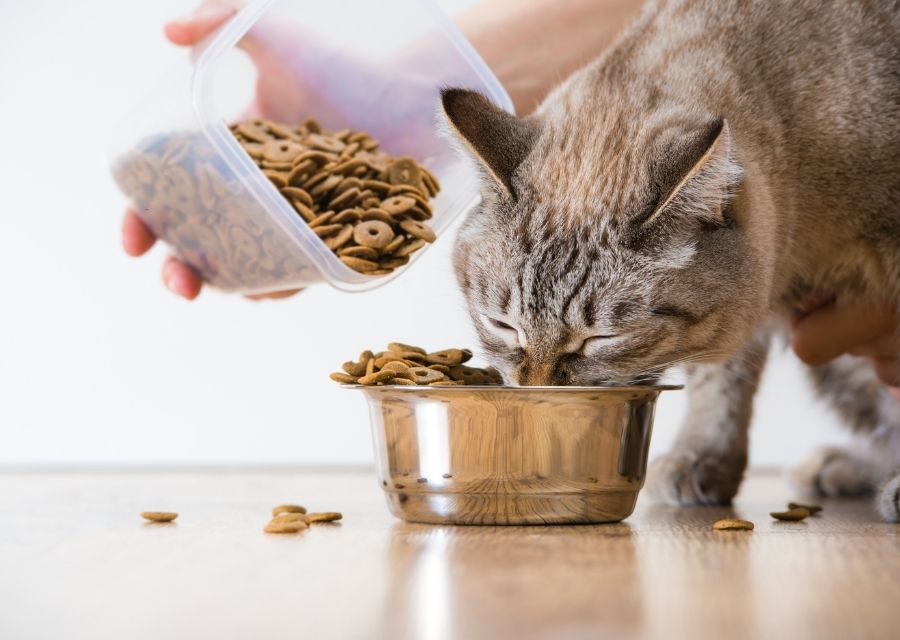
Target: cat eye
{"points": [[504, 331], [499, 324], [597, 341]]}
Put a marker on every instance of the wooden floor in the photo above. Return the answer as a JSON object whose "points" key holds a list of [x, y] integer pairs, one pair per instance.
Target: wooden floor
{"points": [[77, 562]]}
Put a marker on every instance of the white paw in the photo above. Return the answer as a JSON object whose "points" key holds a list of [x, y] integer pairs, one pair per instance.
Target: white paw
{"points": [[834, 472], [689, 478], [888, 500]]}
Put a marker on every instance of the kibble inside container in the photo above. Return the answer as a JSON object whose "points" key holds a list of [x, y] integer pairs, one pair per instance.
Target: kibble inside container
{"points": [[374, 67]]}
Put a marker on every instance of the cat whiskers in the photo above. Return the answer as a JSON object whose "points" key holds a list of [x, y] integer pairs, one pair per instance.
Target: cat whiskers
{"points": [[652, 375], [710, 356]]}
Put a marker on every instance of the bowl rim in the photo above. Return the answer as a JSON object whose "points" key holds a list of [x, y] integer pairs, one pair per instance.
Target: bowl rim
{"points": [[499, 387]]}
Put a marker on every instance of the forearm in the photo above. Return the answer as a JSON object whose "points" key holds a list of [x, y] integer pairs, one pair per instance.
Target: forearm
{"points": [[532, 45]]}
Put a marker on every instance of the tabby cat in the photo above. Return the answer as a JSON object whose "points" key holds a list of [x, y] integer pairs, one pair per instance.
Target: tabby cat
{"points": [[675, 201]]}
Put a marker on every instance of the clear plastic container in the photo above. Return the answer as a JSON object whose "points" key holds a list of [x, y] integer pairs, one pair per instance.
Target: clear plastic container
{"points": [[372, 66]]}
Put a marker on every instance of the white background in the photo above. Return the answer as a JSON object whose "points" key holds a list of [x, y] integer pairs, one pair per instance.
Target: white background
{"points": [[99, 365]]}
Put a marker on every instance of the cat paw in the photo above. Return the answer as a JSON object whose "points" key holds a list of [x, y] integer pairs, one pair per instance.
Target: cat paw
{"points": [[833, 472], [888, 500], [689, 478]]}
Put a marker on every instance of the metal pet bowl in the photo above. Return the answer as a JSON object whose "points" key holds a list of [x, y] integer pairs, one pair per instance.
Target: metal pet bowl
{"points": [[511, 455]]}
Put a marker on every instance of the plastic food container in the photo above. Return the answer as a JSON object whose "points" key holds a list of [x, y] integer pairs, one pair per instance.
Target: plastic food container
{"points": [[376, 67]]}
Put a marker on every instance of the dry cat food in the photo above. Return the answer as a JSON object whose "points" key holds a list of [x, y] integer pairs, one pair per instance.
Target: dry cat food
{"points": [[190, 199], [792, 515], [292, 518], [325, 516], [812, 508], [733, 524], [403, 364], [288, 508], [159, 516], [286, 525], [200, 205], [368, 207], [796, 512]]}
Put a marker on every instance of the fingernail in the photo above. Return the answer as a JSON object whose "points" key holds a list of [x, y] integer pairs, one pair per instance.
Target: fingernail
{"points": [[171, 282], [170, 278]]}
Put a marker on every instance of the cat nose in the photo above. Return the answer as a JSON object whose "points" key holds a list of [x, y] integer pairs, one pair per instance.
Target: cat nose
{"points": [[535, 374]]}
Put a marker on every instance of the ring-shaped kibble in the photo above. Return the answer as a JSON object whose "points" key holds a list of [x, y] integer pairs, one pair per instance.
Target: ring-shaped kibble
{"points": [[396, 205], [373, 233], [366, 253], [449, 357], [347, 215], [409, 248], [255, 130], [377, 214], [424, 375], [418, 230], [343, 237], [324, 143], [404, 171], [281, 150]]}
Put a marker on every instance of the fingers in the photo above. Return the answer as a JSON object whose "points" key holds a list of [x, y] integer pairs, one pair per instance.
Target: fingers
{"points": [[885, 345], [838, 328], [136, 236], [191, 29], [180, 279]]}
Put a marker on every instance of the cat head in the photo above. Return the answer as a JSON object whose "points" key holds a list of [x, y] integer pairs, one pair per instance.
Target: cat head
{"points": [[604, 250]]}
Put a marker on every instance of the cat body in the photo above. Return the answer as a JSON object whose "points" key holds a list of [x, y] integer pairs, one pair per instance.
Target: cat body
{"points": [[724, 165]]}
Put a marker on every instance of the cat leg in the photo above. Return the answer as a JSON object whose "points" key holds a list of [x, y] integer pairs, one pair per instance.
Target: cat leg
{"points": [[707, 462], [863, 403], [836, 471], [887, 501]]}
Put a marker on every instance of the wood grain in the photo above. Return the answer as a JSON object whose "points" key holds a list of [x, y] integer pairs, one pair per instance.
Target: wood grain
{"points": [[77, 561]]}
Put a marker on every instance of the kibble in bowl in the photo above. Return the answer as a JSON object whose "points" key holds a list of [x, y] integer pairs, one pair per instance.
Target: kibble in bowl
{"points": [[454, 445], [405, 365]]}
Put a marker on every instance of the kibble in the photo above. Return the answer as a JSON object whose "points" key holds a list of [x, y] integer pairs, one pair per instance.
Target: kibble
{"points": [[405, 365], [327, 516], [733, 524], [292, 518], [812, 508], [349, 191], [288, 508], [285, 525], [791, 515], [182, 190], [159, 516]]}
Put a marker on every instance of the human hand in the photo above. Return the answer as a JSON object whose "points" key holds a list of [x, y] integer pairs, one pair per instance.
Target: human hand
{"points": [[137, 238], [854, 328]]}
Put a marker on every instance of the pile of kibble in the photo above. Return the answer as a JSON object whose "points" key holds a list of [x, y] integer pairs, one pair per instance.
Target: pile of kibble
{"points": [[367, 206], [407, 365]]}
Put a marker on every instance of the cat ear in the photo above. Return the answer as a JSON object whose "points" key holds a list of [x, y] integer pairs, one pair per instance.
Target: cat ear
{"points": [[498, 139], [696, 175]]}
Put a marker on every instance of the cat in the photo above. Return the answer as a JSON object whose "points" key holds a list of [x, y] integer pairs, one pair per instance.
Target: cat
{"points": [[676, 200]]}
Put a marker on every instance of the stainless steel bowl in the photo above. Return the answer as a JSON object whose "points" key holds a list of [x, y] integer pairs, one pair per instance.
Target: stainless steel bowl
{"points": [[511, 455]]}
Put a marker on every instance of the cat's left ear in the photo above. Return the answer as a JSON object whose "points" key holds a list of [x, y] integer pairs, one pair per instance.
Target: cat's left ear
{"points": [[498, 139], [696, 175]]}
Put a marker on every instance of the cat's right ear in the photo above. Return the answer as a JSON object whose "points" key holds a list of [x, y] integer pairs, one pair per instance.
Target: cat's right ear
{"points": [[497, 139]]}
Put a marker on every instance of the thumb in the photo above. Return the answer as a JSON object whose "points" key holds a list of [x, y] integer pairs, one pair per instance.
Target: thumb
{"points": [[191, 29]]}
